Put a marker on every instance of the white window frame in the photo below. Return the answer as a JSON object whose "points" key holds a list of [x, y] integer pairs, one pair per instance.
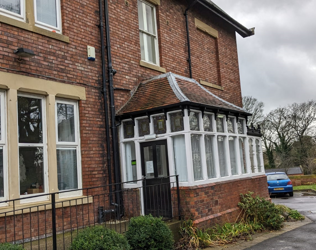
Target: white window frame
{"points": [[10, 14], [3, 144], [45, 152], [46, 26], [70, 145], [155, 36]]}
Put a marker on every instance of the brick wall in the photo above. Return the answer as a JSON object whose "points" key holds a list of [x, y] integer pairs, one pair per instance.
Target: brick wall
{"points": [[67, 63], [216, 203], [213, 60]]}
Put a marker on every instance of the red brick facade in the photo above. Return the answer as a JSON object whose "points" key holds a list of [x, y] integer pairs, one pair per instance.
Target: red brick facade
{"points": [[217, 203]]}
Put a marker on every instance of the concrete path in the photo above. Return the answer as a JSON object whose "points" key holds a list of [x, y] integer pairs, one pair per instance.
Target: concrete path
{"points": [[299, 235]]}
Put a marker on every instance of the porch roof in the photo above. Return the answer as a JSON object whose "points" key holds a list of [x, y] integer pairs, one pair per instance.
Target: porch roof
{"points": [[170, 91]]}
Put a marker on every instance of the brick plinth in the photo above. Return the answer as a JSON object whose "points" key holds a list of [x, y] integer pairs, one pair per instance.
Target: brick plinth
{"points": [[217, 203]]}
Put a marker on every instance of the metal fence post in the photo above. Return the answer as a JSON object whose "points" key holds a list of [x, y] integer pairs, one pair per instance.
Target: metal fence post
{"points": [[178, 194], [53, 198]]}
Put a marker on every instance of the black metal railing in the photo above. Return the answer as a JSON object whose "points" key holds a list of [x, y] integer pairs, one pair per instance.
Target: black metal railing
{"points": [[49, 221]]}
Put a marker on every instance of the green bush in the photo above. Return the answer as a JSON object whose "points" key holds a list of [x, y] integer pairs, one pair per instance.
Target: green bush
{"points": [[99, 238], [8, 246], [260, 211], [150, 233]]}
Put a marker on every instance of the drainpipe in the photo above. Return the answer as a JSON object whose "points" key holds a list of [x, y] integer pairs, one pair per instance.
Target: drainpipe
{"points": [[105, 99], [188, 35], [111, 73]]}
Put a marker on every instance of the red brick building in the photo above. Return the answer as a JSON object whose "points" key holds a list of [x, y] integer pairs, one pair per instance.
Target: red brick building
{"points": [[67, 116]]}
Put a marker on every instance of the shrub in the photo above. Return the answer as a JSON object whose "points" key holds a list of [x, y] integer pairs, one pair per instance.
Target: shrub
{"points": [[99, 238], [192, 237], [260, 211], [8, 246], [148, 232]]}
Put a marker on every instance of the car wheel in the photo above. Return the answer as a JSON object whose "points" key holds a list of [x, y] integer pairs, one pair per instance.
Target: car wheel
{"points": [[291, 194]]}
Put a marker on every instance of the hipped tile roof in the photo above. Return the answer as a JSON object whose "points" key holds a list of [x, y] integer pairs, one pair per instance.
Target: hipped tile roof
{"points": [[171, 89]]}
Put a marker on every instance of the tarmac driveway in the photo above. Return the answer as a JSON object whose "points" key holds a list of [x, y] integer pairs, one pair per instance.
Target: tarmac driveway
{"points": [[304, 202], [302, 238]]}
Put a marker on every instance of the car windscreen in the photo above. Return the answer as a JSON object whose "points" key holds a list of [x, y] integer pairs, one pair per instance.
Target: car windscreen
{"points": [[275, 177]]}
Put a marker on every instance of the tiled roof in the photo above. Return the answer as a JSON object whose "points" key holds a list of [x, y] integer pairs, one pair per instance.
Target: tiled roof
{"points": [[171, 89]]}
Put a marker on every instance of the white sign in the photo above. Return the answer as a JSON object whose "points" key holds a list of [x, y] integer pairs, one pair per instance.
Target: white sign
{"points": [[149, 167]]}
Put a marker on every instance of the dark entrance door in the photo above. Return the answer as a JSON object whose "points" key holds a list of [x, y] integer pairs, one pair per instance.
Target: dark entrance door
{"points": [[157, 195]]}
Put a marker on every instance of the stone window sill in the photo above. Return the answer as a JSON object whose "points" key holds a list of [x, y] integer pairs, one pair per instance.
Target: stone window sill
{"points": [[214, 86], [44, 205], [152, 66], [34, 29]]}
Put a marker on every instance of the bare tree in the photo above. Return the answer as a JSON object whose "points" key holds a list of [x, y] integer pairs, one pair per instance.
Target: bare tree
{"points": [[253, 106]]}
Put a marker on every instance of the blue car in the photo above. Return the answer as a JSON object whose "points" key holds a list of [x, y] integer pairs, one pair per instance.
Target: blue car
{"points": [[279, 183]]}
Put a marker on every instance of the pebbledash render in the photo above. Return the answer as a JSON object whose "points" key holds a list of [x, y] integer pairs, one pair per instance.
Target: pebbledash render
{"points": [[100, 92]]}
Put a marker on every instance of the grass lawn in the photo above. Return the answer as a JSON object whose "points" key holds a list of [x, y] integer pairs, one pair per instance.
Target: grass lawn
{"points": [[305, 187]]}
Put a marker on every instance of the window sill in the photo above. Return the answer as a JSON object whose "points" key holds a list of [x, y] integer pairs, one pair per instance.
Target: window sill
{"points": [[34, 29], [44, 205], [152, 66], [214, 86]]}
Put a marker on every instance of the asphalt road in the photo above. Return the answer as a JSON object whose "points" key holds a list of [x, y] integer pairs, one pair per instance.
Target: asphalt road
{"points": [[302, 238]]}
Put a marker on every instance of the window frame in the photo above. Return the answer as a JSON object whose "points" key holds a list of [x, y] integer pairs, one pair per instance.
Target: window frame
{"points": [[155, 36], [46, 26], [43, 144], [13, 15], [70, 145], [3, 144]]}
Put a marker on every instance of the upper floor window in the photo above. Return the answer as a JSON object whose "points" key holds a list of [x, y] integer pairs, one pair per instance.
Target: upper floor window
{"points": [[46, 13], [148, 32], [13, 8]]}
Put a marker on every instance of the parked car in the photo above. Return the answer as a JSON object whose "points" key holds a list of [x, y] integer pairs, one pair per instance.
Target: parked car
{"points": [[278, 183]]}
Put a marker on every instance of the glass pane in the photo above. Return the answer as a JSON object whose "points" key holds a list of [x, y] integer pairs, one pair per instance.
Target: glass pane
{"points": [[230, 125], [176, 120], [207, 122], [196, 157], [242, 156], [161, 161], [31, 170], [150, 19], [251, 155], [128, 129], [194, 121], [46, 12], [143, 127], [142, 48], [1, 174], [67, 169], [151, 48], [66, 122], [30, 120], [130, 161], [140, 15], [232, 155], [180, 159], [209, 153], [258, 153], [11, 5], [159, 124], [240, 125], [149, 162], [222, 155], [220, 124]]}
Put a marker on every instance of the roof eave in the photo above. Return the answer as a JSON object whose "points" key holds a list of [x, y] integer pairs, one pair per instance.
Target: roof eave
{"points": [[239, 28]]}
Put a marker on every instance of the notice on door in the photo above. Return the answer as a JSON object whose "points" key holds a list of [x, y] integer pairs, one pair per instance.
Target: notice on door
{"points": [[149, 167]]}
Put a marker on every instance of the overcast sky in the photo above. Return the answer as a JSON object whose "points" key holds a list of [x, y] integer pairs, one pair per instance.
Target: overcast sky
{"points": [[278, 63]]}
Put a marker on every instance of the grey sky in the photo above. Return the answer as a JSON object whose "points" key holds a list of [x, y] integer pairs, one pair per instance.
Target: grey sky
{"points": [[278, 63]]}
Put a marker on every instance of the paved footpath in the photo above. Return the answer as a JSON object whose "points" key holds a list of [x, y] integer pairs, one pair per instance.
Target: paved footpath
{"points": [[299, 235]]}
